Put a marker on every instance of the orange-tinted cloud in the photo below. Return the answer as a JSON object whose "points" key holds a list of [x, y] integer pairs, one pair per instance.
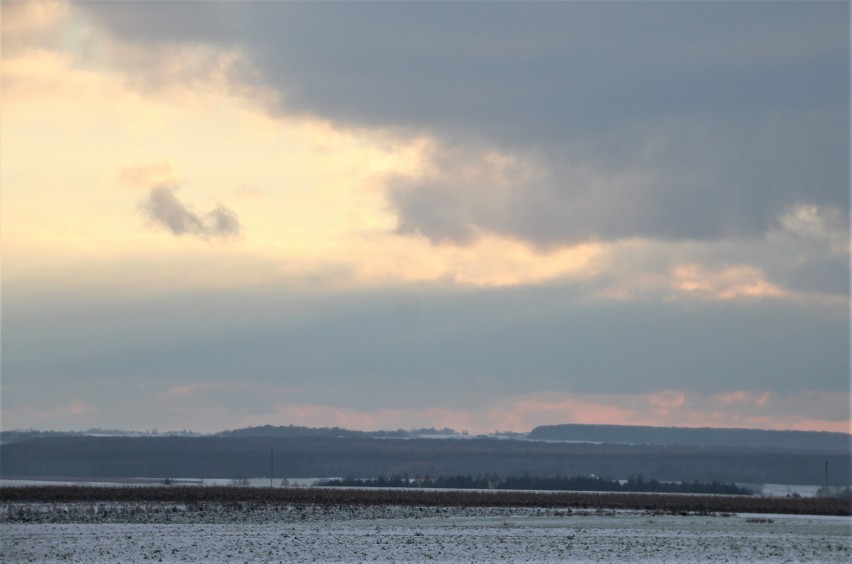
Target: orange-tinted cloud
{"points": [[723, 284], [736, 409]]}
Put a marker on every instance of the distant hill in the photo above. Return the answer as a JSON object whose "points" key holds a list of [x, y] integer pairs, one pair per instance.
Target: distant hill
{"points": [[16, 435], [297, 431], [809, 441], [233, 457], [610, 451], [267, 431], [695, 437], [273, 431]]}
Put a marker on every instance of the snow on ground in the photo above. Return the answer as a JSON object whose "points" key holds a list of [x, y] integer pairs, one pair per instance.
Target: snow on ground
{"points": [[252, 533]]}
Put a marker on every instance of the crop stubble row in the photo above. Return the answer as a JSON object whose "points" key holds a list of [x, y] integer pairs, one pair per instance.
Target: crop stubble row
{"points": [[666, 503]]}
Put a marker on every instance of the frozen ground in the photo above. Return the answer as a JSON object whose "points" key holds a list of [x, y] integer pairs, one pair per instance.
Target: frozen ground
{"points": [[249, 533]]}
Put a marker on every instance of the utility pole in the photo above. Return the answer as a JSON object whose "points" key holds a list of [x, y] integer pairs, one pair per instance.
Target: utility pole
{"points": [[826, 474], [271, 466]]}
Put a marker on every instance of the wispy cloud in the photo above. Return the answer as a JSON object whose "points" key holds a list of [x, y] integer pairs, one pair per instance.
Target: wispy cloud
{"points": [[164, 208]]}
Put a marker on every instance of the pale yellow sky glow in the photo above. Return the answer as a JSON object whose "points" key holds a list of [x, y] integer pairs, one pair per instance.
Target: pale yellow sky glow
{"points": [[306, 192]]}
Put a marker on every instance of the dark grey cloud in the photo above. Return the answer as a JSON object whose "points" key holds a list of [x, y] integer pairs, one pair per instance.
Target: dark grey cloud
{"points": [[518, 71], [683, 179], [698, 120], [163, 207]]}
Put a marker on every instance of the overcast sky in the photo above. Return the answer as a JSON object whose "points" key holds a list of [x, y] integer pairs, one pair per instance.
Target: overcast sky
{"points": [[381, 215]]}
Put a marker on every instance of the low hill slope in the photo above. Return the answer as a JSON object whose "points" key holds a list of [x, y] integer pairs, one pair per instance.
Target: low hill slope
{"points": [[695, 437]]}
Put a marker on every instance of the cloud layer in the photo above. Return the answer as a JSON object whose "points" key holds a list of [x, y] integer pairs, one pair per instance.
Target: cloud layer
{"points": [[611, 121], [486, 214], [538, 355]]}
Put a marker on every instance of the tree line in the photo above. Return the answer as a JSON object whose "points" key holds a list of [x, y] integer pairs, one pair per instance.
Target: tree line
{"points": [[330, 457], [634, 484]]}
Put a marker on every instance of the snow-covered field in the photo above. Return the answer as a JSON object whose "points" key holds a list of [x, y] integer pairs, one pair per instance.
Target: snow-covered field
{"points": [[252, 533]]}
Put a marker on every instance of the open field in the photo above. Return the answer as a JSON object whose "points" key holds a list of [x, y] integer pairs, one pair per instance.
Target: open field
{"points": [[226, 524], [256, 532]]}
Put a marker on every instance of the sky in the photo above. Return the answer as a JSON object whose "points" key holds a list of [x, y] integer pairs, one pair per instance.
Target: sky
{"points": [[381, 215]]}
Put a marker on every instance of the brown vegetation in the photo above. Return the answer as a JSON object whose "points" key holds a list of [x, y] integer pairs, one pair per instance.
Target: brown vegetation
{"points": [[666, 503]]}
